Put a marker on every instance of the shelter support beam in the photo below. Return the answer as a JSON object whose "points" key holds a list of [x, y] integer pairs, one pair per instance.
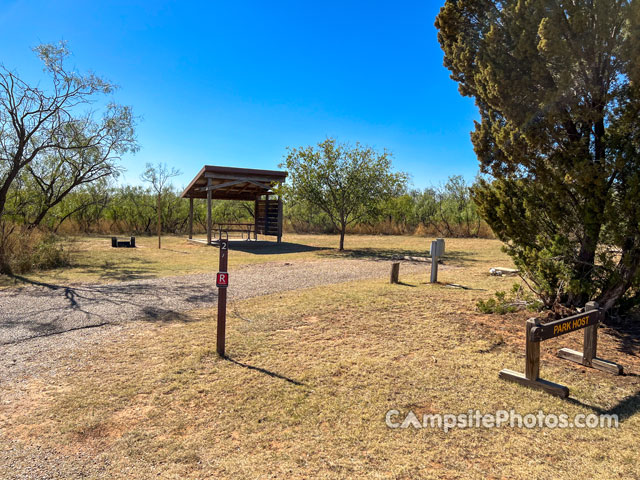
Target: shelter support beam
{"points": [[255, 219], [279, 219], [190, 218], [209, 213]]}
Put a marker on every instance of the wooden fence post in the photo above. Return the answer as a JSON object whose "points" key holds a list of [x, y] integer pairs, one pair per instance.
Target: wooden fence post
{"points": [[395, 272]]}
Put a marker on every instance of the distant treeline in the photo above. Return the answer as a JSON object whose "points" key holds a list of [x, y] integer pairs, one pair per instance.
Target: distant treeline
{"points": [[101, 209]]}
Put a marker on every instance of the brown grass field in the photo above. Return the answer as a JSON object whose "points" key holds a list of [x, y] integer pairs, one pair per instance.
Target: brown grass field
{"points": [[311, 374]]}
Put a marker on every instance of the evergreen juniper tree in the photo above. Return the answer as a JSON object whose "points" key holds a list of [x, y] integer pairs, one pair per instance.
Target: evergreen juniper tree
{"points": [[558, 140]]}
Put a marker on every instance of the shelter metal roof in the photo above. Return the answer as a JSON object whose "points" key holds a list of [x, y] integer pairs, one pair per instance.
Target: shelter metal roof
{"points": [[230, 183]]}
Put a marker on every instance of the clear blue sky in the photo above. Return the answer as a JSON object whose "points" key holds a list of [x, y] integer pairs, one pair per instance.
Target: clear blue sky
{"points": [[235, 83]]}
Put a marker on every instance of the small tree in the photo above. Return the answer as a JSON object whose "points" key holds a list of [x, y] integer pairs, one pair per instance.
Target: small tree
{"points": [[158, 176], [347, 183]]}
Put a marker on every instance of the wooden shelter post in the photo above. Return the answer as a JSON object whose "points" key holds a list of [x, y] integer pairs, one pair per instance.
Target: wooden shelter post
{"points": [[191, 218], [209, 182], [255, 218], [266, 213], [279, 219]]}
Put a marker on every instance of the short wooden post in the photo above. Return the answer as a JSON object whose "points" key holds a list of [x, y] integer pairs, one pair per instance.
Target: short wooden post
{"points": [[434, 261], [132, 242], [114, 242], [191, 218], [395, 272], [590, 338], [532, 352], [209, 182]]}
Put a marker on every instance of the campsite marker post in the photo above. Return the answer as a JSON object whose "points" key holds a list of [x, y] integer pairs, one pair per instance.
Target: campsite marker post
{"points": [[222, 282]]}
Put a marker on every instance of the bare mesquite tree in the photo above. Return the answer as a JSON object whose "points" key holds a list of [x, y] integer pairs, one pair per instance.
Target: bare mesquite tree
{"points": [[159, 177], [49, 136]]}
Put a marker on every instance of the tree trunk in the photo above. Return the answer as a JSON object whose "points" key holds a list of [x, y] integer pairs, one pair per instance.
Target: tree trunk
{"points": [[11, 176], [159, 223], [342, 233], [584, 271], [621, 280]]}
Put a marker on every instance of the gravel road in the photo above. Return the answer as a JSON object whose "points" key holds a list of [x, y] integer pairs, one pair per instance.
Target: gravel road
{"points": [[39, 321]]}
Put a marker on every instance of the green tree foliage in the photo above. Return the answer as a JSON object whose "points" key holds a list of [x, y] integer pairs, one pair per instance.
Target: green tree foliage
{"points": [[447, 210], [347, 183], [556, 84]]}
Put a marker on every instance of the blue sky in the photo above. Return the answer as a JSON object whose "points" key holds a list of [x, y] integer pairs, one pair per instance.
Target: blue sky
{"points": [[235, 83]]}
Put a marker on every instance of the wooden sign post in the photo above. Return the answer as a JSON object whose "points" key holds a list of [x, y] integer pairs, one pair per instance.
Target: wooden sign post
{"points": [[537, 332], [222, 282]]}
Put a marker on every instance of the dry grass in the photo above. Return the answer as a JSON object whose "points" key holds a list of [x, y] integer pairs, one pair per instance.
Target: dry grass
{"points": [[93, 259], [310, 377]]}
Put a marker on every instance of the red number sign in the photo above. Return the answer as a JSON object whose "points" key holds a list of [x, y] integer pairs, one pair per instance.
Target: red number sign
{"points": [[222, 279]]}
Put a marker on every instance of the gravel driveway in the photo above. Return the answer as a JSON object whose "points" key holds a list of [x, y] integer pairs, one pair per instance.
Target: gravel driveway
{"points": [[39, 322]]}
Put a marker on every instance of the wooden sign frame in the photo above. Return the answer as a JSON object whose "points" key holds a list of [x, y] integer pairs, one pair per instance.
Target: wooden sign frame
{"points": [[537, 332]]}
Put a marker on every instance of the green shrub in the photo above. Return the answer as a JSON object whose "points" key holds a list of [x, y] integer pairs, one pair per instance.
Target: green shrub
{"points": [[516, 299]]}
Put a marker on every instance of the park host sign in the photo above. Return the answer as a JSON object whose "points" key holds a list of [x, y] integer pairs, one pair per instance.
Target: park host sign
{"points": [[536, 332], [565, 325]]}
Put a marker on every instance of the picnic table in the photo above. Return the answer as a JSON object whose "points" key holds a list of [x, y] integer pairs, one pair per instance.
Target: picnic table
{"points": [[242, 228]]}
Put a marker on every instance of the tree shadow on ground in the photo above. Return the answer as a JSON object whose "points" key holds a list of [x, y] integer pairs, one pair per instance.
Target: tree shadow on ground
{"points": [[113, 271], [386, 254], [628, 335], [624, 409], [82, 307], [120, 272]]}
